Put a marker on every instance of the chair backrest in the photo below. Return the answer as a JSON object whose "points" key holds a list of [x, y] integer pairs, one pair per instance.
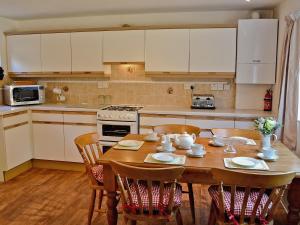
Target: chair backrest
{"points": [[176, 129], [274, 185], [230, 132], [127, 175], [90, 151]]}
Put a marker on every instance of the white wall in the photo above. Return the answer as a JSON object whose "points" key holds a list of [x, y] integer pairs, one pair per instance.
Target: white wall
{"points": [[203, 17]]}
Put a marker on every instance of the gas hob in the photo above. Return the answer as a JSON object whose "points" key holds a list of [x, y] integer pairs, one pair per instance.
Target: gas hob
{"points": [[119, 113]]}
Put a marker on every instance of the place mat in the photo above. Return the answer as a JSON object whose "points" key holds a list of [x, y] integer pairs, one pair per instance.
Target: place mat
{"points": [[135, 148], [261, 165], [179, 160]]}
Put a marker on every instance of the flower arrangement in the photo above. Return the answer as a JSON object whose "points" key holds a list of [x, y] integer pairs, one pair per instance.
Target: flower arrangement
{"points": [[266, 126]]}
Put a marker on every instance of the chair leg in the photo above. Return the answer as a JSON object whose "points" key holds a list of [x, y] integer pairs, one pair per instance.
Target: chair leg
{"points": [[192, 202], [212, 215], [178, 217], [100, 199], [92, 206]]}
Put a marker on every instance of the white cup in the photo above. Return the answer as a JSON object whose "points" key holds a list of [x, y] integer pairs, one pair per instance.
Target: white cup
{"points": [[197, 149], [167, 146], [217, 140], [152, 135], [269, 153]]}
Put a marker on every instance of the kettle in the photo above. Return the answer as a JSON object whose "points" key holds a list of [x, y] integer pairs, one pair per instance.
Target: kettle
{"points": [[185, 141]]}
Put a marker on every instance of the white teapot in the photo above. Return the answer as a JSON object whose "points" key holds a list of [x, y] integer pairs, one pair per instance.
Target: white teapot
{"points": [[185, 141]]}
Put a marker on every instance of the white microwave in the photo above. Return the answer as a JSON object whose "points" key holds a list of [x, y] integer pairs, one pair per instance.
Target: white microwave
{"points": [[15, 95]]}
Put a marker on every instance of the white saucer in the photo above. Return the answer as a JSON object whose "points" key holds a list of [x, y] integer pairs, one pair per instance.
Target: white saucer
{"points": [[212, 143], [261, 156], [151, 139], [190, 154], [160, 149]]}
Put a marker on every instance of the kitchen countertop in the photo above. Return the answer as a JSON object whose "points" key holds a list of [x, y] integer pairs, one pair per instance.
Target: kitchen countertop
{"points": [[185, 111], [84, 108]]}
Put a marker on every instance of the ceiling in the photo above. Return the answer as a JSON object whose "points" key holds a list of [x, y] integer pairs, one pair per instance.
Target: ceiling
{"points": [[31, 9]]}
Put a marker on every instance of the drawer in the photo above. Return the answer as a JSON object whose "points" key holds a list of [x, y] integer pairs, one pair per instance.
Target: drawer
{"points": [[80, 117], [47, 116], [15, 118], [154, 121], [209, 124]]}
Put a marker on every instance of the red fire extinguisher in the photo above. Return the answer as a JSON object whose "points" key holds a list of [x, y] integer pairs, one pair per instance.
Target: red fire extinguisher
{"points": [[268, 100]]}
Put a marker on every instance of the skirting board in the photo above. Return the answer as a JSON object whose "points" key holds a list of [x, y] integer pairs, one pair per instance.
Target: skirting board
{"points": [[16, 171], [58, 165]]}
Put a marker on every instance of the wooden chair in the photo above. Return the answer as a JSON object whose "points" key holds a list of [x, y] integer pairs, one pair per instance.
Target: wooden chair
{"points": [[179, 129], [176, 129], [89, 149], [246, 198], [149, 194], [230, 132]]}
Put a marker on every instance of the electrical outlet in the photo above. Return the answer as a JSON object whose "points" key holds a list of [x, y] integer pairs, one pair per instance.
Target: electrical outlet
{"points": [[220, 87], [104, 84], [214, 87], [100, 85], [226, 87]]}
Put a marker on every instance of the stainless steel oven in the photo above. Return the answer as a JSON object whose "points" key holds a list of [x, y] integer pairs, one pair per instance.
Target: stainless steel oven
{"points": [[115, 130]]}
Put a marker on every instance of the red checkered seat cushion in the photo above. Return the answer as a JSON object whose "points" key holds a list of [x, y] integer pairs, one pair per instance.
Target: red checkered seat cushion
{"points": [[238, 200], [142, 186], [98, 173]]}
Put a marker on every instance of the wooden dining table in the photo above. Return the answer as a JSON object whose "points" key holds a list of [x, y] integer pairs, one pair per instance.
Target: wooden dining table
{"points": [[198, 170]]}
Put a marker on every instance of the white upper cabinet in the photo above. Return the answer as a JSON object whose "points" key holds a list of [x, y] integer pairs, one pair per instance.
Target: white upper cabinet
{"points": [[167, 50], [24, 53], [87, 52], [124, 46], [257, 41], [257, 51], [213, 50], [56, 52]]}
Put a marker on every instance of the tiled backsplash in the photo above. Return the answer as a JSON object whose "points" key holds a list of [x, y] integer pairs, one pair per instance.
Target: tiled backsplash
{"points": [[135, 87]]}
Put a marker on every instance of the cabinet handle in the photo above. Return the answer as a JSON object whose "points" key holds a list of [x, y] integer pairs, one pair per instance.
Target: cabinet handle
{"points": [[256, 61]]}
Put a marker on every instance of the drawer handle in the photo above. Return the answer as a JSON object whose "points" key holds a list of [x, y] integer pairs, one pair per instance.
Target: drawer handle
{"points": [[256, 61]]}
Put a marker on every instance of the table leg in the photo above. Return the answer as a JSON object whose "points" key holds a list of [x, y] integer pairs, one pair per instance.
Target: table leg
{"points": [[112, 213], [293, 217], [110, 186]]}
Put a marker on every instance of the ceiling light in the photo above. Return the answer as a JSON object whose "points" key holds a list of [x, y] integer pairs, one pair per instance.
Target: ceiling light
{"points": [[248, 0]]}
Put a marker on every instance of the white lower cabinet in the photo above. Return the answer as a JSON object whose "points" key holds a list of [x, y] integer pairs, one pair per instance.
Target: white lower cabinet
{"points": [[17, 145], [70, 133], [210, 123], [244, 124], [48, 141]]}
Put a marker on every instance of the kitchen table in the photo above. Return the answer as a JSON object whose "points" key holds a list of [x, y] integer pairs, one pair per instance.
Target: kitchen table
{"points": [[198, 170]]}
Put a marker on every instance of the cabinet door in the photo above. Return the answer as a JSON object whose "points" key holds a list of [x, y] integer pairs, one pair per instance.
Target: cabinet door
{"points": [[56, 52], [257, 41], [24, 53], [124, 46], [167, 50], [87, 51], [213, 50], [256, 73], [244, 124], [210, 123], [70, 133], [20, 151], [48, 141]]}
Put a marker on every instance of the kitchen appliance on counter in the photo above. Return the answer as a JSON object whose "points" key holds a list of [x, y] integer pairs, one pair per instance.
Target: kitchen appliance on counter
{"points": [[203, 102], [16, 95], [115, 122]]}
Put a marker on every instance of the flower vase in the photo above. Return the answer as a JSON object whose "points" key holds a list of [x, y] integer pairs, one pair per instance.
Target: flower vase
{"points": [[266, 140]]}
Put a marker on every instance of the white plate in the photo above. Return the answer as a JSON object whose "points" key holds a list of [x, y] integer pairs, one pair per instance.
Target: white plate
{"points": [[244, 161], [151, 139], [160, 149], [190, 154], [261, 156], [129, 143], [163, 157], [211, 142]]}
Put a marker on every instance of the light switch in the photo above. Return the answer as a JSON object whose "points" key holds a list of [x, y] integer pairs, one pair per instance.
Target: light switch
{"points": [[220, 87], [226, 87], [214, 87]]}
